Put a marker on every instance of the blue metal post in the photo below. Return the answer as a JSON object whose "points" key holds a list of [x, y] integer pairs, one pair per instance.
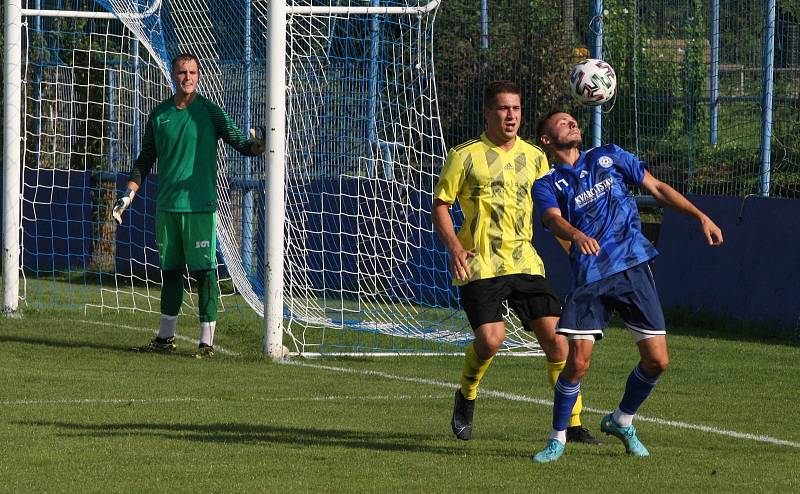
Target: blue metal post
{"points": [[137, 122], [714, 117], [372, 97], [248, 199], [766, 100], [596, 26], [484, 33], [112, 122]]}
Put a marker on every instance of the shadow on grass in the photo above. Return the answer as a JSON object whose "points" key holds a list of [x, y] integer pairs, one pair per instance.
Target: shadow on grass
{"points": [[54, 343], [233, 433]]}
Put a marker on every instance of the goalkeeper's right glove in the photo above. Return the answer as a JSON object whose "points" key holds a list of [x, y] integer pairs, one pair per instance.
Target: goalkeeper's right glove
{"points": [[122, 204]]}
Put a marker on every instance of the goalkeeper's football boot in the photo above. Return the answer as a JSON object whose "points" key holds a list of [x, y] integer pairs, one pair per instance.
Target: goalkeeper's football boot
{"points": [[204, 351], [158, 345], [463, 409], [551, 452], [625, 434], [579, 434]]}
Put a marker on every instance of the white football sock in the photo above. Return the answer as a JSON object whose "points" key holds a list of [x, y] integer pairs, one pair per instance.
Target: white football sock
{"points": [[560, 436], [622, 419], [167, 327], [207, 332]]}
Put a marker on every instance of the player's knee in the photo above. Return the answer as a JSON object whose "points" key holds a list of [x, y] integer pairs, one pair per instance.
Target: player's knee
{"points": [[555, 348], [487, 347], [655, 366], [576, 369]]}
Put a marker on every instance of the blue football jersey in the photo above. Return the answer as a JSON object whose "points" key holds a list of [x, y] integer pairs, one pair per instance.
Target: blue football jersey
{"points": [[593, 197]]}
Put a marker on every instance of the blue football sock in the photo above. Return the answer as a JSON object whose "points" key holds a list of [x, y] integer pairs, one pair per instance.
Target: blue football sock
{"points": [[565, 396], [637, 390]]}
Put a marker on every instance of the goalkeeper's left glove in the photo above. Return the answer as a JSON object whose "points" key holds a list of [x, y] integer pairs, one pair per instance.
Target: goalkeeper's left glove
{"points": [[122, 204], [256, 144]]}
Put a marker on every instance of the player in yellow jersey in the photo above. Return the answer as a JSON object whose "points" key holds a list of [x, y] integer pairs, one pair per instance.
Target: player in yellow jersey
{"points": [[492, 259]]}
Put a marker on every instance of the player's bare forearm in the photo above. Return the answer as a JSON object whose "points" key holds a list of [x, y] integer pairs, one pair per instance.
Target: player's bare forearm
{"points": [[562, 229], [443, 224], [668, 197]]}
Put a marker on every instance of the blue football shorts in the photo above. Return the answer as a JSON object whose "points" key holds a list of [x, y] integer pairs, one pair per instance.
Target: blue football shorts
{"points": [[631, 293]]}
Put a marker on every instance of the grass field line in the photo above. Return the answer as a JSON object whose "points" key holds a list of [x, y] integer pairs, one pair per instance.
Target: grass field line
{"points": [[218, 349], [549, 403]]}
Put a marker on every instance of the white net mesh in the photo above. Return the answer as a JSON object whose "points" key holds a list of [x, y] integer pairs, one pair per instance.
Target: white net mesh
{"points": [[363, 271]]}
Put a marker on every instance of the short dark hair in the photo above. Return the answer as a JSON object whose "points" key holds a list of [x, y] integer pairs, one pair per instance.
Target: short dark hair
{"points": [[185, 57], [541, 124], [492, 89]]}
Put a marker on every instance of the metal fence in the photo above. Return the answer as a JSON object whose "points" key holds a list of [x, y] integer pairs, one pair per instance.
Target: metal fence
{"points": [[708, 90]]}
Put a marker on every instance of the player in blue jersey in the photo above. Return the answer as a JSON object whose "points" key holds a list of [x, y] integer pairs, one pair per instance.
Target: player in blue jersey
{"points": [[584, 199]]}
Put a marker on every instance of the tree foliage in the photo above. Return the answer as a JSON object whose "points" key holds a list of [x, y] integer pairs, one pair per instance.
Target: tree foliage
{"points": [[661, 52], [526, 44]]}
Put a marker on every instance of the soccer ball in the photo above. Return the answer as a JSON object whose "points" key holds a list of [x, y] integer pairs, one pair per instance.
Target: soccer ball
{"points": [[592, 82]]}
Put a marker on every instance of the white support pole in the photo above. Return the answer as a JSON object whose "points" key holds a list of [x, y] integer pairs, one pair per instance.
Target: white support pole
{"points": [[12, 99], [275, 214]]}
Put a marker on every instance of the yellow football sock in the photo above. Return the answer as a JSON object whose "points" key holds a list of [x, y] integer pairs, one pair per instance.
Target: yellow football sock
{"points": [[553, 370], [474, 369]]}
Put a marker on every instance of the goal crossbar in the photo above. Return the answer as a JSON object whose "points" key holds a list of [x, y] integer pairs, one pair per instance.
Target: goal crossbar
{"points": [[290, 9]]}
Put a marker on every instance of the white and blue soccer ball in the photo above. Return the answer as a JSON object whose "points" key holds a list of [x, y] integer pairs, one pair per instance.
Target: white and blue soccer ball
{"points": [[592, 82]]}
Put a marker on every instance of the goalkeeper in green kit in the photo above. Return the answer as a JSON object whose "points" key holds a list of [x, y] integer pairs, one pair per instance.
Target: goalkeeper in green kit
{"points": [[182, 134]]}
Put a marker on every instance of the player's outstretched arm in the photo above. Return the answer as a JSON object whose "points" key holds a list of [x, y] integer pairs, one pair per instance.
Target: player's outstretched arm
{"points": [[443, 224], [228, 131], [671, 198], [556, 223]]}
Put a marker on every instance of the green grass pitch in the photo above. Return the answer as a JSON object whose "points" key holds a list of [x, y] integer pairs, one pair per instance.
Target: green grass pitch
{"points": [[82, 414]]}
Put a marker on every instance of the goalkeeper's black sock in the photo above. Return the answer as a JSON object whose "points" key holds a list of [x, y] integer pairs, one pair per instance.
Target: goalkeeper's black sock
{"points": [[208, 294], [171, 300]]}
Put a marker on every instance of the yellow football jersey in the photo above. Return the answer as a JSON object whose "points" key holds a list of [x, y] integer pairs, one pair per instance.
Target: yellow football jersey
{"points": [[493, 188]]}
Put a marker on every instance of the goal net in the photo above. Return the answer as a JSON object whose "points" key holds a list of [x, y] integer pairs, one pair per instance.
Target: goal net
{"points": [[363, 271]]}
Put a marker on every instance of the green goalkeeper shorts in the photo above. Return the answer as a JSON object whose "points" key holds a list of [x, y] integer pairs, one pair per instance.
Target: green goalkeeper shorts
{"points": [[186, 239]]}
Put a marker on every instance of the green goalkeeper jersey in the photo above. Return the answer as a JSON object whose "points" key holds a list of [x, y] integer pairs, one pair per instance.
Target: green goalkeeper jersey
{"points": [[185, 143]]}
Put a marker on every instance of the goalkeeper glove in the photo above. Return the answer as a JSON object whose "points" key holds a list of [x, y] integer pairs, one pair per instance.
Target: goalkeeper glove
{"points": [[256, 144], [122, 204]]}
